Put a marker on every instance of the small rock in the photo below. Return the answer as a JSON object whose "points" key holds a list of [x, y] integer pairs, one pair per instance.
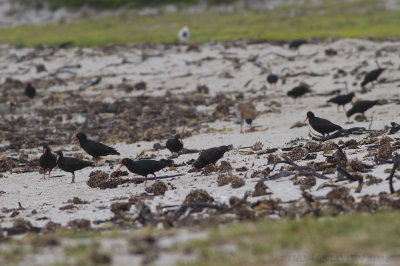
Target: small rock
{"points": [[308, 182], [197, 195], [118, 207], [237, 182], [224, 179], [260, 189], [385, 151], [159, 188], [298, 153], [80, 224]]}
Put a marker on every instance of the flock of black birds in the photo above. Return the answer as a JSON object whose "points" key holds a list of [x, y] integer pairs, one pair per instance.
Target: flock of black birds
{"points": [[324, 126], [145, 167], [141, 167]]}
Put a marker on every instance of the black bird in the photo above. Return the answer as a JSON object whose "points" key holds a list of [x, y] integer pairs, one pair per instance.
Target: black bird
{"points": [[145, 167], [321, 125], [296, 44], [372, 76], [360, 107], [211, 155], [30, 91], [298, 91], [70, 164], [47, 160], [94, 148], [174, 144], [343, 99], [272, 79]]}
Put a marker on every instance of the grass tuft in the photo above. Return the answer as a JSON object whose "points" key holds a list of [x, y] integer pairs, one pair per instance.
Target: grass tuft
{"points": [[327, 18]]}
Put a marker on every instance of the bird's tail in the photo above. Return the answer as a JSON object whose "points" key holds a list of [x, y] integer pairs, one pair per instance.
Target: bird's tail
{"points": [[167, 162], [114, 151], [363, 83], [90, 164]]}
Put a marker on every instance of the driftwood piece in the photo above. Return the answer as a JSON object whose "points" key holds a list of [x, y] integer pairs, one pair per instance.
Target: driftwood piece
{"points": [[396, 163], [303, 171], [90, 83], [199, 206], [352, 178], [341, 133]]}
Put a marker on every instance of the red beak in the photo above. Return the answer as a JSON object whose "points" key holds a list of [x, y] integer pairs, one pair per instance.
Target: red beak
{"points": [[58, 157], [197, 170], [180, 141], [305, 119], [356, 98], [44, 150], [119, 167], [75, 139]]}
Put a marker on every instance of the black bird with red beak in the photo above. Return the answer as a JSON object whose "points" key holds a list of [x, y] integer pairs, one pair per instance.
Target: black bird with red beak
{"points": [[211, 155], [71, 164], [145, 167], [94, 148], [321, 125], [47, 160], [174, 144]]}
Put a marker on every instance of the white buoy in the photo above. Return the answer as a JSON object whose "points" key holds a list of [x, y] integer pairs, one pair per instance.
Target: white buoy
{"points": [[184, 34]]}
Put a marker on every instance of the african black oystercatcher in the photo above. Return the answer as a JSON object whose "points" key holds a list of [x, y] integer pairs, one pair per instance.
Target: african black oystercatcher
{"points": [[211, 155], [70, 164], [295, 44], [343, 99], [272, 79], [298, 91], [30, 91], [321, 125], [360, 107], [372, 76], [94, 148], [145, 167], [174, 144], [47, 160], [245, 112]]}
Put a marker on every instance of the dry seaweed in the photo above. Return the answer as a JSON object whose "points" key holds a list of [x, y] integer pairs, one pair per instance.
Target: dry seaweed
{"points": [[197, 195]]}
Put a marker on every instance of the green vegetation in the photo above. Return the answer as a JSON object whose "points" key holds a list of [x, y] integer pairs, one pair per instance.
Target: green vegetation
{"points": [[329, 240], [341, 19], [110, 4]]}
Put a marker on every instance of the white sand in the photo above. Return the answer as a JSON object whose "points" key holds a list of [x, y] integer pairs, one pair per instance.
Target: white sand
{"points": [[47, 196]]}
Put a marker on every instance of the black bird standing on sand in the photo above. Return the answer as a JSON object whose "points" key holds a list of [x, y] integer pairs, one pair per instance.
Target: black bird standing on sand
{"points": [[360, 107], [47, 160], [174, 144], [321, 125], [342, 100], [272, 79], [211, 155], [30, 91], [71, 164], [94, 148], [145, 167], [372, 76], [298, 91], [296, 44]]}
